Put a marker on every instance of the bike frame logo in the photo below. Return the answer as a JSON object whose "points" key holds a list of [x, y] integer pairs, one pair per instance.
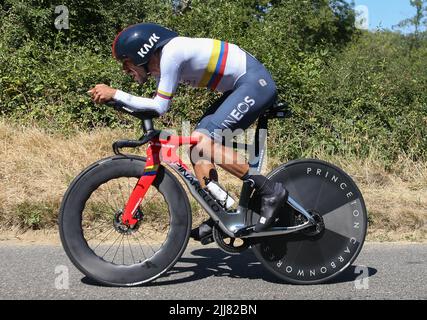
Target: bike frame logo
{"points": [[196, 185]]}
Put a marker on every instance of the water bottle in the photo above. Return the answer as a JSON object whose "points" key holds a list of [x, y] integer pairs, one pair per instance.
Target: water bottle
{"points": [[219, 194]]}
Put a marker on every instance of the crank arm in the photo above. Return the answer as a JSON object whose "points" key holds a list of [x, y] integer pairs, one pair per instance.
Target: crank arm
{"points": [[249, 231]]}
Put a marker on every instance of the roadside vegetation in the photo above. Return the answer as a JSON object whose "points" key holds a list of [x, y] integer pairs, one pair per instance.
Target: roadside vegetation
{"points": [[359, 98]]}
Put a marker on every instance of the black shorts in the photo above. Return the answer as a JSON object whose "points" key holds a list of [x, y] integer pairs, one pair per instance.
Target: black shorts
{"points": [[252, 94]]}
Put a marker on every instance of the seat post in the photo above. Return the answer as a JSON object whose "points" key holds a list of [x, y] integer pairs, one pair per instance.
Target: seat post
{"points": [[257, 155]]}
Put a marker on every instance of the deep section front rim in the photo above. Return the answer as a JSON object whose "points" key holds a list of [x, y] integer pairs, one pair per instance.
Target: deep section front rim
{"points": [[112, 272]]}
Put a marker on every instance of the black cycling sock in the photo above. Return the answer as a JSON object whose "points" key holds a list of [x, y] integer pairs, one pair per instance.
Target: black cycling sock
{"points": [[263, 185]]}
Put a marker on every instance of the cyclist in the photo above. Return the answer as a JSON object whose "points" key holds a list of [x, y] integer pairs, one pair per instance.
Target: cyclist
{"points": [[148, 49]]}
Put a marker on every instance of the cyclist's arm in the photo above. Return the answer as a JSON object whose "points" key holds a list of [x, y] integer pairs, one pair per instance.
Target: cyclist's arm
{"points": [[167, 85], [138, 104]]}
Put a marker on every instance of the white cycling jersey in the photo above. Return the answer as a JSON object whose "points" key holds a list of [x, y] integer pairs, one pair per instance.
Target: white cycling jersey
{"points": [[198, 62]]}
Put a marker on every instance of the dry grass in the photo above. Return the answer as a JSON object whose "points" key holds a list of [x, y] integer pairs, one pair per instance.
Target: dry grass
{"points": [[36, 168], [396, 199]]}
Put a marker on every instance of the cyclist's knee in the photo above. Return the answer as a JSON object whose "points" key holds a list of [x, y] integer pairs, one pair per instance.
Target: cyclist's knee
{"points": [[204, 140], [202, 149]]}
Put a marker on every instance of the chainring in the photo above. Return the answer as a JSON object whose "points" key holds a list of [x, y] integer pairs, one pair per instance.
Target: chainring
{"points": [[227, 243]]}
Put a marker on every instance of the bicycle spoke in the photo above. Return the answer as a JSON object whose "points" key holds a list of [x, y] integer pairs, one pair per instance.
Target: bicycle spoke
{"points": [[118, 247], [149, 200], [111, 245], [143, 240], [112, 229], [105, 224], [131, 252], [121, 193], [114, 210], [142, 250], [147, 244], [112, 197], [150, 237], [97, 235], [109, 194], [146, 235], [123, 250]]}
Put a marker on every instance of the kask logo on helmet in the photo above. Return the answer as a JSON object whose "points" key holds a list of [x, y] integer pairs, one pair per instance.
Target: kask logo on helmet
{"points": [[148, 46]]}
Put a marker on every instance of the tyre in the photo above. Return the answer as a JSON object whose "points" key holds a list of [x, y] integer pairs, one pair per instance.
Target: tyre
{"points": [[313, 255], [105, 250]]}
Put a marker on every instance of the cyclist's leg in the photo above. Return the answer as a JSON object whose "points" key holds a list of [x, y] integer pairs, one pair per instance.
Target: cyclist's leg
{"points": [[254, 92], [204, 167]]}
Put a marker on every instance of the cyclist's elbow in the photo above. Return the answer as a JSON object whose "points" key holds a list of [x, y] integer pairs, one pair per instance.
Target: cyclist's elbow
{"points": [[162, 110]]}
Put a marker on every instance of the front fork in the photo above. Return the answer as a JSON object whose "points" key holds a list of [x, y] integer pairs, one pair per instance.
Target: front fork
{"points": [[142, 186], [157, 150]]}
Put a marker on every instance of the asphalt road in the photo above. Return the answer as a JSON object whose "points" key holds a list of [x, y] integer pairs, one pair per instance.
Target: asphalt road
{"points": [[394, 271]]}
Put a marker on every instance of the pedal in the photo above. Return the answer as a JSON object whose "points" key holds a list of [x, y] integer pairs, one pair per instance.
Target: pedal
{"points": [[206, 240]]}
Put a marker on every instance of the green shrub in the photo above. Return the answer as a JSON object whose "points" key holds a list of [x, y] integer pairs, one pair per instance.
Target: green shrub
{"points": [[349, 91]]}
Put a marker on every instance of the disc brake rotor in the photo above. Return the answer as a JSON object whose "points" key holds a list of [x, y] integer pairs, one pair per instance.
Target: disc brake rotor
{"points": [[122, 228]]}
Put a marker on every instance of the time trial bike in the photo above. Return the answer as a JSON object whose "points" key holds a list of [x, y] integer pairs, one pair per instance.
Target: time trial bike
{"points": [[125, 220]]}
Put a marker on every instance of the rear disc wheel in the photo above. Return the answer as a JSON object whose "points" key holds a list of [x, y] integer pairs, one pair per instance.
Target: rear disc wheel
{"points": [[319, 253]]}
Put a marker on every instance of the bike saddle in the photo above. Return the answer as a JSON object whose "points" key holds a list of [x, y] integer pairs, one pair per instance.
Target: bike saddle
{"points": [[279, 109]]}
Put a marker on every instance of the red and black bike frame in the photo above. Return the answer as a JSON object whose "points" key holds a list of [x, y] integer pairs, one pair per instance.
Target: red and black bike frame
{"points": [[158, 150], [162, 148]]}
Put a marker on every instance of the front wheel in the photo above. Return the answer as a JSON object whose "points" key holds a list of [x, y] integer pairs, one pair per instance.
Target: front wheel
{"points": [[109, 252], [315, 255]]}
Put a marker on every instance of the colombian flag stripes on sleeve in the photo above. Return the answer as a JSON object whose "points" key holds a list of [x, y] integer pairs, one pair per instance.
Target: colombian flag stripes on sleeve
{"points": [[164, 94]]}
